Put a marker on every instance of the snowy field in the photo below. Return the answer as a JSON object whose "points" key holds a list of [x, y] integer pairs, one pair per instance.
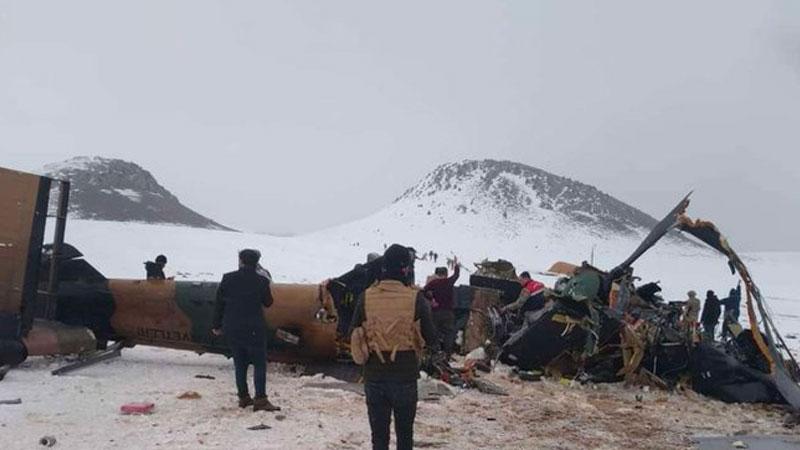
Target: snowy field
{"points": [[81, 409]]}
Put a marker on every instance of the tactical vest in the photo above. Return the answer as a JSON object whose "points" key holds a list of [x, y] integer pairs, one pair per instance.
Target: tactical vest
{"points": [[389, 324]]}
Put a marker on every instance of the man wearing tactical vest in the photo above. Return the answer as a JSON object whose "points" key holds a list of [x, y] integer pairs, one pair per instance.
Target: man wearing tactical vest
{"points": [[391, 321]]}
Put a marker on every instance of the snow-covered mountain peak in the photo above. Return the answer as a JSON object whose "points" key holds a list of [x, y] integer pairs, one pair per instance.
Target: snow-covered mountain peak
{"points": [[113, 189], [514, 192]]}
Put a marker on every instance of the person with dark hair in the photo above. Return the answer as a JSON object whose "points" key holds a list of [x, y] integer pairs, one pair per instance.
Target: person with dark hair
{"points": [[155, 270], [439, 290], [710, 317], [530, 299], [239, 316], [389, 319]]}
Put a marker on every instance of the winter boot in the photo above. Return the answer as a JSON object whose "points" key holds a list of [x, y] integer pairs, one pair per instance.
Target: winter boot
{"points": [[245, 401], [263, 404]]}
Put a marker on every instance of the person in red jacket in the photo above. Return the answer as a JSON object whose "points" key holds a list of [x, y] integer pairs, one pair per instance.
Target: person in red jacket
{"points": [[531, 298], [440, 291]]}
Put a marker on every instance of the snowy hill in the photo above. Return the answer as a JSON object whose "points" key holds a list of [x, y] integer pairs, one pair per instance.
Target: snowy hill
{"points": [[113, 189], [520, 193], [499, 209]]}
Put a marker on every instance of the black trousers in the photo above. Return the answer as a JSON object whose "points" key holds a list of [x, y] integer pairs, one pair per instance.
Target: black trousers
{"points": [[385, 398], [244, 356], [445, 322]]}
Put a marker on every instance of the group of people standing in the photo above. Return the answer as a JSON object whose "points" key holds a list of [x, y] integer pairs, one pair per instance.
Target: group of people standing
{"points": [[393, 322], [711, 312], [392, 325]]}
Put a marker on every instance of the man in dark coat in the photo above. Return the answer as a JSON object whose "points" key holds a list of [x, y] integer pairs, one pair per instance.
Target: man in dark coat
{"points": [[711, 312], [390, 378], [155, 270], [239, 316]]}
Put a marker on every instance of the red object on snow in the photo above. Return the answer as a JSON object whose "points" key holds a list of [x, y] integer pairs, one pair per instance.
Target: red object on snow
{"points": [[137, 408]]}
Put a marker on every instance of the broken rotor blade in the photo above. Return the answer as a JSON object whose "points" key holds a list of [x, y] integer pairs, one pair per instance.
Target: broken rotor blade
{"points": [[661, 228], [784, 381]]}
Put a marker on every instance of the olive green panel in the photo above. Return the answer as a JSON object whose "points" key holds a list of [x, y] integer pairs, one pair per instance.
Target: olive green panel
{"points": [[583, 286], [196, 300]]}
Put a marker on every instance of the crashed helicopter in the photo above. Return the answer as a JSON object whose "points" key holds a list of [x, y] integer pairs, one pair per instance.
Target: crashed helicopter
{"points": [[54, 302], [598, 325]]}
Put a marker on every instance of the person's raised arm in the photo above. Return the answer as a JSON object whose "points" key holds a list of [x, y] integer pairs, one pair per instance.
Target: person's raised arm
{"points": [[456, 272]]}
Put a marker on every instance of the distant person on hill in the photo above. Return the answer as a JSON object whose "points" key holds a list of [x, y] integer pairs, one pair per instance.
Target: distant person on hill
{"points": [[711, 312], [155, 270], [440, 291]]}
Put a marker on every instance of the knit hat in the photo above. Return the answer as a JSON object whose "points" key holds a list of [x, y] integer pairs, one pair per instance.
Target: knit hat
{"points": [[396, 258]]}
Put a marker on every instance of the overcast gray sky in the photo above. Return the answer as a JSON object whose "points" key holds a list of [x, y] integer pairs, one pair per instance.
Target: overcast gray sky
{"points": [[292, 116]]}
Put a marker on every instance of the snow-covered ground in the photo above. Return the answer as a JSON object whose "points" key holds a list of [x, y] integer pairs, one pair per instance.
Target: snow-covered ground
{"points": [[81, 409]]}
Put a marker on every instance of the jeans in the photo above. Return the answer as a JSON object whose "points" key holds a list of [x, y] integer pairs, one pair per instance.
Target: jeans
{"points": [[385, 397], [445, 322], [243, 356]]}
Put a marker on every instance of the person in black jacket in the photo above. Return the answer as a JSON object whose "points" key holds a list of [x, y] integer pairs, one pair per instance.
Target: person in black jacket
{"points": [[155, 270], [239, 316], [732, 305], [711, 312], [390, 379]]}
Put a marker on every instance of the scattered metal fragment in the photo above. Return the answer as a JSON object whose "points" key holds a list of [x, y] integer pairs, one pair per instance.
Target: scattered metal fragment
{"points": [[114, 351], [487, 387], [433, 390], [205, 377], [15, 401], [259, 427], [190, 395], [47, 441]]}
